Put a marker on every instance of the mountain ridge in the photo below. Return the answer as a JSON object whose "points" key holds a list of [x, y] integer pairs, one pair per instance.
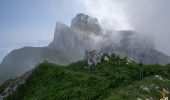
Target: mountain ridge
{"points": [[71, 42]]}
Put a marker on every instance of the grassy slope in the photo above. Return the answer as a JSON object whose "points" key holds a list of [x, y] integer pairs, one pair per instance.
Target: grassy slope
{"points": [[133, 91], [111, 80]]}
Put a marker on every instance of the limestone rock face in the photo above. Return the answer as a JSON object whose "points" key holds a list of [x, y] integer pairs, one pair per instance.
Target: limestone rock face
{"points": [[86, 23], [93, 57]]}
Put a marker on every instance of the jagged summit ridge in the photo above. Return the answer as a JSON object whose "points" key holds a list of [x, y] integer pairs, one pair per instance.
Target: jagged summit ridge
{"points": [[84, 19], [86, 23]]}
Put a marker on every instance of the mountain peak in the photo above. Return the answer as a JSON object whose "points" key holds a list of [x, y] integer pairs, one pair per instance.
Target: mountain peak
{"points": [[84, 19], [86, 23]]}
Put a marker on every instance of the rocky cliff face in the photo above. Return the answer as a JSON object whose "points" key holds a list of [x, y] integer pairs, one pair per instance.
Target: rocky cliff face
{"points": [[85, 23], [79, 37], [67, 42], [71, 42]]}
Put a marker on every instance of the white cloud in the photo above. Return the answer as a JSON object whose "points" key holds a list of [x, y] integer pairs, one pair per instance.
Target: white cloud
{"points": [[148, 17], [109, 12]]}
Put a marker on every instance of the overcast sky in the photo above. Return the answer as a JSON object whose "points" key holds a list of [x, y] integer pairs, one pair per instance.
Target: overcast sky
{"points": [[32, 22]]}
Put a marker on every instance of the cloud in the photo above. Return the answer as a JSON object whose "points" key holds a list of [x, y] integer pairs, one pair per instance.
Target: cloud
{"points": [[109, 12], [147, 17]]}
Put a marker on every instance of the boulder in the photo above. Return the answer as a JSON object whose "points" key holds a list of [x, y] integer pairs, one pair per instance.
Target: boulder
{"points": [[106, 58]]}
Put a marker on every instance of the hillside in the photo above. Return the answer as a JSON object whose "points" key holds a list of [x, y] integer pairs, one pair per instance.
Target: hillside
{"points": [[22, 60], [112, 79]]}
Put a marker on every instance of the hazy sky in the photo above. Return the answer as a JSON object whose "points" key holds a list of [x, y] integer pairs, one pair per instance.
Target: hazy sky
{"points": [[32, 22]]}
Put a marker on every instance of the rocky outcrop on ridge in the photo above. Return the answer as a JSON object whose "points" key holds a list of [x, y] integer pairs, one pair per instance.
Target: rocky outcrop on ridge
{"points": [[14, 85], [93, 57]]}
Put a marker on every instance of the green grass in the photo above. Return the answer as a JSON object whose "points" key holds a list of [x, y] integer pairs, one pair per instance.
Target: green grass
{"points": [[133, 91], [110, 80]]}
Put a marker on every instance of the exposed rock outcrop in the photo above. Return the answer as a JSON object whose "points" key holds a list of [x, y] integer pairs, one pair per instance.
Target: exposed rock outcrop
{"points": [[93, 57], [14, 85], [106, 58], [86, 24]]}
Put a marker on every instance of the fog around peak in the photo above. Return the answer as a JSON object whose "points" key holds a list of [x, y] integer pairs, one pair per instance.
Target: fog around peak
{"points": [[147, 17], [32, 23]]}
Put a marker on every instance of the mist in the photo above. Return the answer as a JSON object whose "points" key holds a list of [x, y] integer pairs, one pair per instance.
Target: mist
{"points": [[148, 18]]}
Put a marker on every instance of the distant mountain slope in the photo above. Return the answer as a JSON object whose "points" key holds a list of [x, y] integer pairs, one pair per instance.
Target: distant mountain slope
{"points": [[137, 48], [71, 42], [113, 79], [140, 49], [21, 60]]}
